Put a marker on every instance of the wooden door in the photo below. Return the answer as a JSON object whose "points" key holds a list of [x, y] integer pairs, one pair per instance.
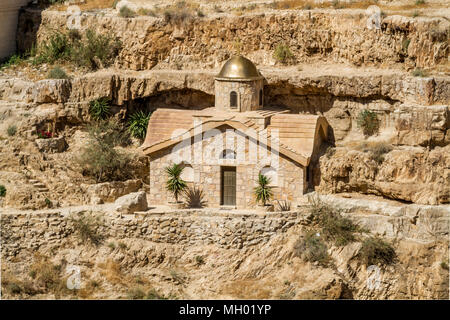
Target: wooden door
{"points": [[228, 186]]}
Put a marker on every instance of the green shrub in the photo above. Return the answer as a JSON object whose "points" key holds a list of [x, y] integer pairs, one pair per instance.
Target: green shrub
{"points": [[96, 51], [48, 203], [122, 246], [194, 197], [416, 13], [263, 192], [12, 130], [444, 265], [155, 295], [419, 73], [283, 54], [138, 123], [419, 2], [334, 227], [199, 260], [86, 226], [2, 190], [174, 183], [126, 12], [368, 121], [99, 159], [136, 294], [100, 109], [375, 250], [56, 48], [57, 73], [11, 61], [312, 248]]}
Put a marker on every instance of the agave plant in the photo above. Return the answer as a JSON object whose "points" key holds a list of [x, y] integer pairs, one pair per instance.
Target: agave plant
{"points": [[138, 123], [194, 197], [175, 184], [284, 205], [263, 191]]}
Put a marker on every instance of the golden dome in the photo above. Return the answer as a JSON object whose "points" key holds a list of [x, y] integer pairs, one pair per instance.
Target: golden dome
{"points": [[238, 67]]}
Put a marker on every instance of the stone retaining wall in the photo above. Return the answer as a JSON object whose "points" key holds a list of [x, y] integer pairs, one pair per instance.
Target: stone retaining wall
{"points": [[22, 231]]}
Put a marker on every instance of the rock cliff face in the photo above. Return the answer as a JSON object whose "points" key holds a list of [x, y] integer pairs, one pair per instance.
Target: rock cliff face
{"points": [[413, 175], [312, 36]]}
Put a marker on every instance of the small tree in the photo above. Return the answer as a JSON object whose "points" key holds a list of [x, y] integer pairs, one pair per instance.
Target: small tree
{"points": [[175, 184], [368, 121], [263, 192]]}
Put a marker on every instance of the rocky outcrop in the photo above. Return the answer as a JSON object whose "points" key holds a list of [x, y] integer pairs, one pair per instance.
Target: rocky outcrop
{"points": [[110, 191], [407, 174], [311, 36]]}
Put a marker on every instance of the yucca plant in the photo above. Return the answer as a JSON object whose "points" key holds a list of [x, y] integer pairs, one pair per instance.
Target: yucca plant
{"points": [[99, 109], [194, 197], [263, 192], [175, 184], [138, 123]]}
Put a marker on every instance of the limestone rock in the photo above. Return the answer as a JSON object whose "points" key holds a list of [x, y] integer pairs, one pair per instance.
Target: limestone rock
{"points": [[51, 145], [132, 202], [110, 191]]}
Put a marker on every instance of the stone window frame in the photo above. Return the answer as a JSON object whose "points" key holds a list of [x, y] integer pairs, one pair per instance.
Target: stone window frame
{"points": [[273, 182], [184, 165], [224, 153]]}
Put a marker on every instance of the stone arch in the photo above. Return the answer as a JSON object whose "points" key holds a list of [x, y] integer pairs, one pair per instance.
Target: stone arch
{"points": [[272, 174], [188, 171]]}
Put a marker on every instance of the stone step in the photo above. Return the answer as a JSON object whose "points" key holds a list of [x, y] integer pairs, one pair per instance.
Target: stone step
{"points": [[39, 185], [42, 190], [33, 181]]}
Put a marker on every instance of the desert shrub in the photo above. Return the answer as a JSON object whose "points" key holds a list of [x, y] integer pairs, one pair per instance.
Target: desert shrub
{"points": [[57, 73], [86, 226], [419, 2], [111, 245], [200, 13], [177, 15], [155, 295], [56, 48], [419, 73], [146, 12], [100, 159], [283, 54], [199, 260], [48, 275], [375, 250], [48, 203], [378, 151], [174, 183], [11, 61], [334, 227], [2, 190], [368, 121], [263, 192], [126, 12], [96, 51], [312, 248], [444, 265], [138, 123], [176, 276], [99, 109], [284, 205], [12, 130], [416, 13], [136, 294], [194, 197], [218, 9], [405, 45], [122, 246]]}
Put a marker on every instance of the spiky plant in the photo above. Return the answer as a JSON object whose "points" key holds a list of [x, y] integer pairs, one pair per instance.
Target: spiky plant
{"points": [[174, 183], [100, 108], [263, 192], [194, 197], [284, 205], [138, 123]]}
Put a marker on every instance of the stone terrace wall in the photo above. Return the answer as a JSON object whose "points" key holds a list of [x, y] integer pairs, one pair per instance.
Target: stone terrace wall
{"points": [[22, 231]]}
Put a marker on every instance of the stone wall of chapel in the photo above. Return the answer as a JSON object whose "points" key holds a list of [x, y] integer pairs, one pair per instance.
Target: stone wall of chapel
{"points": [[207, 174]]}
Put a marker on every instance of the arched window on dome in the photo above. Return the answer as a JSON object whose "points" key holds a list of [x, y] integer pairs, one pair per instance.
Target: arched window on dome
{"points": [[260, 97], [233, 99], [272, 174]]}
